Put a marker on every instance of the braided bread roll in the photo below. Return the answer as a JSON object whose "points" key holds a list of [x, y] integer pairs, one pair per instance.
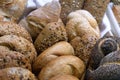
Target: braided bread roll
{"points": [[9, 58], [55, 51], [70, 65], [12, 10], [19, 44], [64, 77], [109, 68], [103, 47], [16, 73], [83, 32]]}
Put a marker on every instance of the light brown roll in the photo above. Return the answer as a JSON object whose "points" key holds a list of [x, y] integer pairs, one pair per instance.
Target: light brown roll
{"points": [[10, 28], [16, 73], [10, 58], [70, 65], [51, 34], [64, 77], [12, 9], [97, 8], [40, 17], [68, 6], [59, 49], [82, 34], [19, 44]]}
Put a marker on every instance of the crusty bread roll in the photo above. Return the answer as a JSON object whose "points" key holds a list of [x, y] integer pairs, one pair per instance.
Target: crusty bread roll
{"points": [[7, 28], [97, 8], [70, 65], [40, 17], [10, 58], [82, 33], [64, 77], [109, 68], [68, 6], [51, 34], [59, 49], [19, 44], [103, 47], [12, 9], [16, 73]]}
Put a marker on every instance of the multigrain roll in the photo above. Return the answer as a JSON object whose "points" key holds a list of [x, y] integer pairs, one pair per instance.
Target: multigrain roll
{"points": [[59, 49], [97, 8], [83, 32], [16, 73], [19, 44], [10, 28], [62, 65], [68, 6], [9, 58], [54, 32], [12, 9], [64, 77]]}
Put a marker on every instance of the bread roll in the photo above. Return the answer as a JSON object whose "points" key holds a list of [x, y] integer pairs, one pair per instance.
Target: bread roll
{"points": [[68, 6], [82, 33], [51, 34], [70, 65], [7, 28], [10, 58], [109, 68], [64, 77], [53, 52], [103, 47], [40, 17], [19, 44], [12, 9], [16, 73], [97, 8]]}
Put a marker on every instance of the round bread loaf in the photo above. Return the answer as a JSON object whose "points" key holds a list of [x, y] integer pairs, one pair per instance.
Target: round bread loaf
{"points": [[7, 28], [70, 65], [10, 58], [16, 73], [19, 44], [51, 34], [59, 49], [64, 77]]}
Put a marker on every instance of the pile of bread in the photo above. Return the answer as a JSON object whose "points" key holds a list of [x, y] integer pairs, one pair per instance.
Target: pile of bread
{"points": [[54, 43]]}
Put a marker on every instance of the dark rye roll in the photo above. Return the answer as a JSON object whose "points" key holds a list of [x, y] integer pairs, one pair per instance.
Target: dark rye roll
{"points": [[97, 8]]}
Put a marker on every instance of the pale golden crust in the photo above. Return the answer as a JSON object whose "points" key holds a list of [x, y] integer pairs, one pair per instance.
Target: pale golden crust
{"points": [[19, 44], [51, 34], [10, 58], [10, 28], [16, 73], [63, 65], [53, 52]]}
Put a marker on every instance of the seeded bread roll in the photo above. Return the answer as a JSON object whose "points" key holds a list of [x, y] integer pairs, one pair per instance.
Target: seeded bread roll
{"points": [[51, 34], [59, 49], [10, 58], [82, 33], [68, 6], [16, 73], [97, 8], [7, 28], [70, 65], [64, 77], [12, 9], [40, 17], [19, 44]]}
